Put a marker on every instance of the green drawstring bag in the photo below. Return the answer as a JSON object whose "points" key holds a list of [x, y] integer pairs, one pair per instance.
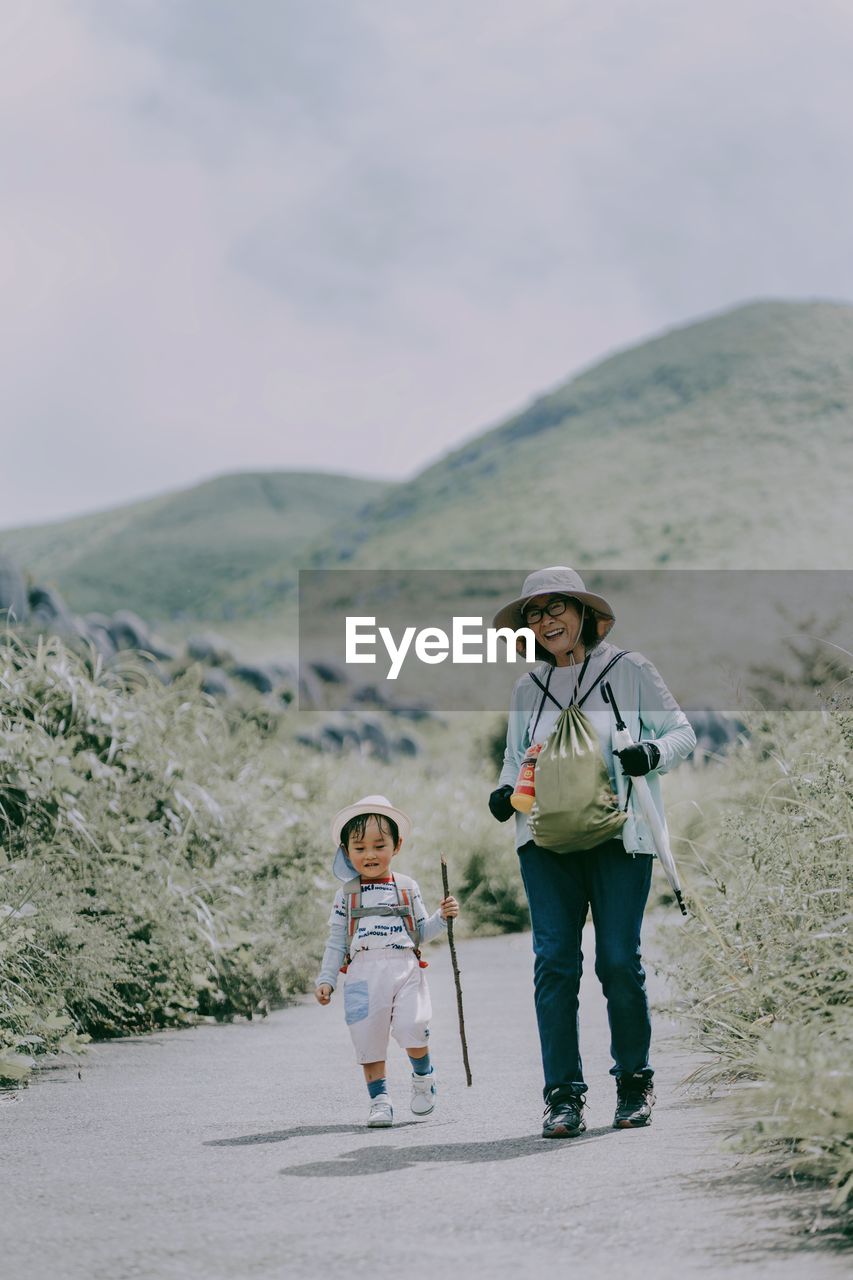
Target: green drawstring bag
{"points": [[574, 805]]}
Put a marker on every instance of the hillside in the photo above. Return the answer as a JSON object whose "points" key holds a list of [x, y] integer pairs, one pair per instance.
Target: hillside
{"points": [[225, 548], [726, 444]]}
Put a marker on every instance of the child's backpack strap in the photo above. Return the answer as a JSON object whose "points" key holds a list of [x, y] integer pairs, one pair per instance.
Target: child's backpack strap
{"points": [[405, 887], [404, 911], [352, 904]]}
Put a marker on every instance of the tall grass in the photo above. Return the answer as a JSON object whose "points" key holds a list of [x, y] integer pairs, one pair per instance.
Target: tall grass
{"points": [[766, 968], [163, 860], [445, 790], [141, 877]]}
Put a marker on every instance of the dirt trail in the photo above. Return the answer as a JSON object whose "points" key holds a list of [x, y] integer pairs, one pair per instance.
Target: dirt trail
{"points": [[231, 1152]]}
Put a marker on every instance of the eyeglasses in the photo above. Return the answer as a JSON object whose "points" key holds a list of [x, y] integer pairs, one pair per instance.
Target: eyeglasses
{"points": [[554, 608]]}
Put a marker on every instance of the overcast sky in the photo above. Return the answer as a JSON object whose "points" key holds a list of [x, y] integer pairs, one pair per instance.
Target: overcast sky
{"points": [[346, 234]]}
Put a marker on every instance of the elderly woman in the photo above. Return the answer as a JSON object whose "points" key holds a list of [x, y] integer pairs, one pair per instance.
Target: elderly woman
{"points": [[612, 877]]}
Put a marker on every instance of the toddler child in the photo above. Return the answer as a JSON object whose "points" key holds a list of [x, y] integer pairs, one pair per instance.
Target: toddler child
{"points": [[376, 928]]}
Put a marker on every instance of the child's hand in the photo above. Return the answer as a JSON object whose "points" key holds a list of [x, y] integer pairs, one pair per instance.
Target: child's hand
{"points": [[323, 994], [449, 907]]}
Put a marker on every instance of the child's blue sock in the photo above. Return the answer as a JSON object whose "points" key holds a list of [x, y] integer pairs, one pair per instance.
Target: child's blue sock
{"points": [[421, 1066], [375, 1087]]}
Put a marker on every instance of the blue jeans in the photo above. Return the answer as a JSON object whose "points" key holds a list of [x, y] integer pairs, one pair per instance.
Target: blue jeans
{"points": [[559, 888]]}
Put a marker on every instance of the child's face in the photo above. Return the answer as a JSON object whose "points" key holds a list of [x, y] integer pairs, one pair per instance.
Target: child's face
{"points": [[371, 853]]}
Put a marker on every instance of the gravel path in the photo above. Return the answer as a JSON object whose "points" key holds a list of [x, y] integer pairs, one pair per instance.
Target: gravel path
{"points": [[221, 1153]]}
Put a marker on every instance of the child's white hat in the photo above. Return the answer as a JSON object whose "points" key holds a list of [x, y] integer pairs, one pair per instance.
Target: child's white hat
{"points": [[342, 868]]}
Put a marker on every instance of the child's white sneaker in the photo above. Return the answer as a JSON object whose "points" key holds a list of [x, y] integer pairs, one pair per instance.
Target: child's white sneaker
{"points": [[423, 1093], [381, 1114]]}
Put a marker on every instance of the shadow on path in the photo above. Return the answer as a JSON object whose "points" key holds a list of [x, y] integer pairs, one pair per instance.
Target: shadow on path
{"points": [[390, 1159], [798, 1213], [301, 1131]]}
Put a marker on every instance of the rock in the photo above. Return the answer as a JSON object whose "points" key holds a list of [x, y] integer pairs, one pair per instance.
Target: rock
{"points": [[13, 592], [129, 631], [339, 737], [374, 739], [217, 684], [359, 732], [411, 711], [310, 690], [49, 612], [256, 676], [335, 735], [285, 673], [97, 620], [48, 609], [97, 630], [329, 672], [715, 733], [373, 696], [161, 649], [209, 648], [286, 677], [368, 695]]}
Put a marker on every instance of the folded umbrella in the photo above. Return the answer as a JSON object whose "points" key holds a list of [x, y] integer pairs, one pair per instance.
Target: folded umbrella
{"points": [[622, 739]]}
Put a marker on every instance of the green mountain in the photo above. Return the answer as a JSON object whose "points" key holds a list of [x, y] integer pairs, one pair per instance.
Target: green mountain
{"points": [[725, 444], [225, 548]]}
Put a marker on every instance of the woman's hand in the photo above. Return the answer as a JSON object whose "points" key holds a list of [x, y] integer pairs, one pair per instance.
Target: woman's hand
{"points": [[639, 759], [499, 805], [323, 994], [448, 907]]}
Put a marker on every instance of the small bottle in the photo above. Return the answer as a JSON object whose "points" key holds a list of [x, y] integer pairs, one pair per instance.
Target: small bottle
{"points": [[525, 786]]}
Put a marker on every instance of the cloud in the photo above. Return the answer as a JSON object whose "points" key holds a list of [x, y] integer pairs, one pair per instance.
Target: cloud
{"points": [[347, 235]]}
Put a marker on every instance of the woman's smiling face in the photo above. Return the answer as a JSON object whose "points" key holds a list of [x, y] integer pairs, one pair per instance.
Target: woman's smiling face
{"points": [[557, 635]]}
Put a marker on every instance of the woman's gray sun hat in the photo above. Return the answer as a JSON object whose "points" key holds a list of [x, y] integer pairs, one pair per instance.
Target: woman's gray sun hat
{"points": [[342, 868], [556, 581]]}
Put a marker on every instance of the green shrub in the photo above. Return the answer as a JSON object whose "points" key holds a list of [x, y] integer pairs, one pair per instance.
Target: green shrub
{"points": [[140, 865], [765, 968], [492, 896], [163, 860]]}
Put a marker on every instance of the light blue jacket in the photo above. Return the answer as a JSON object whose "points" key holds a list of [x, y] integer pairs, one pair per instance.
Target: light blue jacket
{"points": [[649, 711], [429, 927]]}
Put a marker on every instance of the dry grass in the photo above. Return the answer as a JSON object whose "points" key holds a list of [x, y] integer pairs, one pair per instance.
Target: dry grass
{"points": [[765, 968]]}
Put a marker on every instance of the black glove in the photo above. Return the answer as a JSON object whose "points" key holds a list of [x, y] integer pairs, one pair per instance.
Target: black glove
{"points": [[639, 759], [499, 804]]}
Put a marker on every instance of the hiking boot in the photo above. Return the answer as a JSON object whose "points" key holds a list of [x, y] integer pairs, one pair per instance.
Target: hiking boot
{"points": [[381, 1114], [635, 1098], [423, 1094], [563, 1118]]}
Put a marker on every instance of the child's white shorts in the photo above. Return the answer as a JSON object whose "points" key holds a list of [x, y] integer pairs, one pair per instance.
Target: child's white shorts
{"points": [[386, 992]]}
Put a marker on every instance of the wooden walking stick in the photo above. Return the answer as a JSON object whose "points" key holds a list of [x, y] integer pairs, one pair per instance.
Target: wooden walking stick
{"points": [[456, 975]]}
